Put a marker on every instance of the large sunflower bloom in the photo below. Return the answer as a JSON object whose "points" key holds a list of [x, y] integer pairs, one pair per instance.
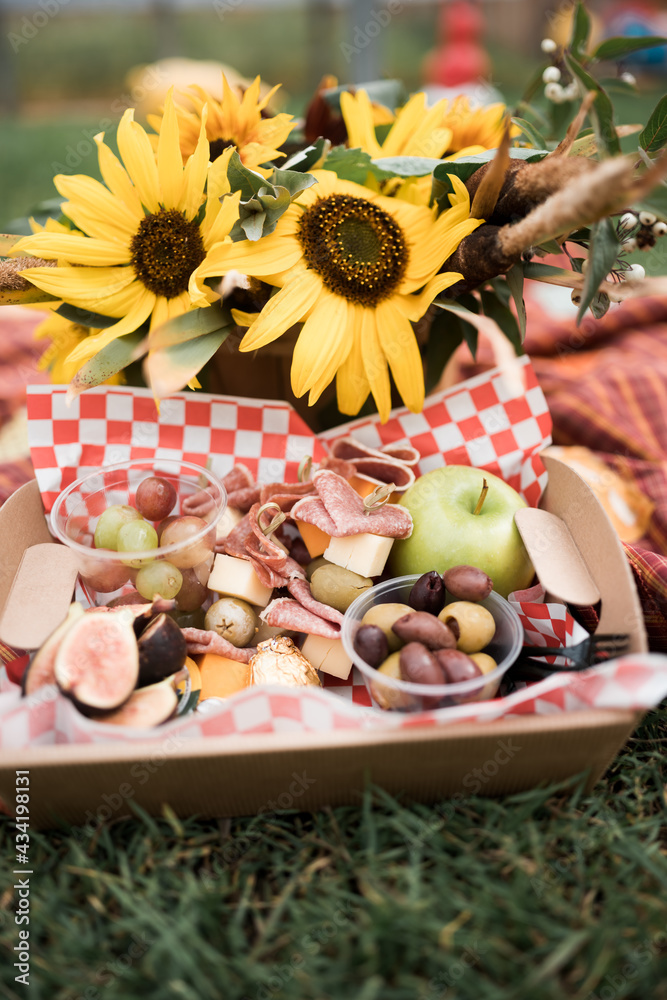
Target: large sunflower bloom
{"points": [[233, 122], [356, 268], [416, 130], [147, 230]]}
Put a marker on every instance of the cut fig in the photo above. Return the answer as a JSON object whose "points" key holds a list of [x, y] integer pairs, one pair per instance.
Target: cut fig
{"points": [[41, 671], [162, 650], [146, 707], [97, 664]]}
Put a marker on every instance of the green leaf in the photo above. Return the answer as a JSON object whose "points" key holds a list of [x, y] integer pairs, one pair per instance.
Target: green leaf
{"points": [[530, 132], [616, 48], [292, 181], [654, 135], [465, 166], [600, 305], [504, 317], [581, 29], [169, 369], [551, 246], [263, 199], [85, 317], [190, 325], [602, 111], [407, 166], [353, 165], [308, 157], [117, 355], [602, 254], [242, 179], [445, 335], [514, 279], [390, 93]]}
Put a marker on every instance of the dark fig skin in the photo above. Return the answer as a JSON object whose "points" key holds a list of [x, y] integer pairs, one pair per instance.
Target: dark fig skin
{"points": [[162, 650], [420, 626], [419, 665], [428, 593], [370, 642], [457, 666], [468, 583]]}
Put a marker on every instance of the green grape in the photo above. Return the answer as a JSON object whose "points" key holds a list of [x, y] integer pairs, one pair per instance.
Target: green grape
{"points": [[110, 523], [158, 578], [137, 536]]}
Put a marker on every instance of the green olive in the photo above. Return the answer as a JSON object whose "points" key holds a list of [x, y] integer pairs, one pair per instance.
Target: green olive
{"points": [[337, 587], [315, 564], [385, 615], [387, 697], [233, 619], [477, 626]]}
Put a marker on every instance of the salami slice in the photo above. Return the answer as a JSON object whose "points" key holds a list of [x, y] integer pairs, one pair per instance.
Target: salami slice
{"points": [[201, 640], [287, 613], [284, 494], [389, 464], [339, 510], [301, 590], [340, 465]]}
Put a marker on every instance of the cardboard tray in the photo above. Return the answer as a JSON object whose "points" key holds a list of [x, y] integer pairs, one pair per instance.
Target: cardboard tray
{"points": [[240, 775]]}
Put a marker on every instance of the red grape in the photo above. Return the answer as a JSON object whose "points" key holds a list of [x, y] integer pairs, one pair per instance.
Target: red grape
{"points": [[155, 498]]}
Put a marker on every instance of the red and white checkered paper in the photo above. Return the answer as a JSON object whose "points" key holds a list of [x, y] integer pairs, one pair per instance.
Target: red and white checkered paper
{"points": [[490, 422]]}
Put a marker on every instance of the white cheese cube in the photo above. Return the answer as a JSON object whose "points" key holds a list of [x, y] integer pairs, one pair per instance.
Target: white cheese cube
{"points": [[363, 554], [229, 520], [237, 578], [327, 655]]}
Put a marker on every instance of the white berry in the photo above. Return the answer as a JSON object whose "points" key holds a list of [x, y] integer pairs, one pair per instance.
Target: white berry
{"points": [[628, 221], [630, 245], [629, 79], [647, 218], [659, 229], [551, 74], [548, 45], [554, 93], [571, 91], [576, 297], [635, 271]]}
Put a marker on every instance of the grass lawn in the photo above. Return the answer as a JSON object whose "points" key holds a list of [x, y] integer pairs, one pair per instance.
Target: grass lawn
{"points": [[540, 895]]}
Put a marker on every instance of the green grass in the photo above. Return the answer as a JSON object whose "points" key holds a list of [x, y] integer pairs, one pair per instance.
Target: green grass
{"points": [[542, 895]]}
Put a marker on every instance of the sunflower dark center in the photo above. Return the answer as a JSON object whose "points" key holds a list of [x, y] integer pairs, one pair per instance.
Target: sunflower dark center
{"points": [[218, 146], [357, 249], [166, 249]]}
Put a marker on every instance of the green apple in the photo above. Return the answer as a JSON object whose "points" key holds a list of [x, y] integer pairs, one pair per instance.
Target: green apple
{"points": [[455, 523]]}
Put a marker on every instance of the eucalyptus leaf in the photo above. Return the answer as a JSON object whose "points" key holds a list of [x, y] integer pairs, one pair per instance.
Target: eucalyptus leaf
{"points": [[169, 369], [551, 246], [240, 178], [112, 359], [407, 166], [353, 165], [616, 48], [600, 305], [530, 132], [85, 317], [602, 254], [547, 272], [308, 157], [654, 135], [504, 317], [292, 181], [190, 325], [602, 111], [445, 335], [249, 228], [514, 279], [581, 29]]}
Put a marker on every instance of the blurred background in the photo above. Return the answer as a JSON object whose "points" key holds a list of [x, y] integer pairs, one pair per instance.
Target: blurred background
{"points": [[69, 68]]}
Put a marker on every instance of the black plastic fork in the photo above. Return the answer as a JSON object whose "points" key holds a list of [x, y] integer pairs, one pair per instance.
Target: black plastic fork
{"points": [[594, 649]]}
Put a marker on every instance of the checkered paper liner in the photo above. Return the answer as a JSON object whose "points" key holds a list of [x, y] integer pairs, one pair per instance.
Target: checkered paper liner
{"points": [[494, 422]]}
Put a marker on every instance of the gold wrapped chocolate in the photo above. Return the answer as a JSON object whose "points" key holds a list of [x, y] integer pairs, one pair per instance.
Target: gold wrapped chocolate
{"points": [[278, 661]]}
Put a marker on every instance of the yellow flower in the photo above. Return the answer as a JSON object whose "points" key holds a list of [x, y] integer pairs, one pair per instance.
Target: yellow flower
{"points": [[65, 336], [480, 126], [357, 269], [233, 122], [146, 231]]}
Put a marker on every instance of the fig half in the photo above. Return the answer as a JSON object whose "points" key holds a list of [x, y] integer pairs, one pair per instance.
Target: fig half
{"points": [[41, 670], [162, 650], [146, 707], [97, 664]]}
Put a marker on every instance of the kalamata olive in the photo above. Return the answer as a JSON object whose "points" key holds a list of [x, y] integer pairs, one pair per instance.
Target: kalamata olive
{"points": [[370, 642], [233, 619], [385, 615], [338, 587], [419, 665], [477, 626], [467, 583], [428, 593], [388, 697], [422, 627], [456, 665]]}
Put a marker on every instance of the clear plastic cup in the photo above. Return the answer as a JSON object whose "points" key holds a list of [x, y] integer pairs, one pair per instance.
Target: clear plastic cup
{"points": [[405, 696], [107, 575]]}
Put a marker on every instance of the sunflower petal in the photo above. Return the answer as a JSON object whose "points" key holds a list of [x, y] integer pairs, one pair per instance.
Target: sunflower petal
{"points": [[433, 253], [139, 160], [169, 159], [116, 179], [219, 226], [401, 350], [97, 202], [141, 310], [288, 306], [87, 287], [194, 175], [352, 386], [75, 249], [322, 346], [414, 306], [375, 364], [358, 116], [257, 259]]}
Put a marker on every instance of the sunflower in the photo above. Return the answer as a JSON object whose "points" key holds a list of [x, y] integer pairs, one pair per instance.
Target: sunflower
{"points": [[357, 268], [233, 122], [146, 231], [64, 337], [481, 126], [416, 129]]}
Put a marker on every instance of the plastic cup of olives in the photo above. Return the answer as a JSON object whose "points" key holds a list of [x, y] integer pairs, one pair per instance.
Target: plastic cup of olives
{"points": [[143, 529], [392, 693]]}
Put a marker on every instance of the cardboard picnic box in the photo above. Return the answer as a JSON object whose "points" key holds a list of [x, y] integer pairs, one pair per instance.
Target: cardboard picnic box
{"points": [[296, 764]]}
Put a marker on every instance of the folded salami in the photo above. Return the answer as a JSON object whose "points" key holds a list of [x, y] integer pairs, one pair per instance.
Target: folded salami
{"points": [[338, 510]]}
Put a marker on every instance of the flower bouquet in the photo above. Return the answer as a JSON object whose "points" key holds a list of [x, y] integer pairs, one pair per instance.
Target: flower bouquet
{"points": [[370, 238]]}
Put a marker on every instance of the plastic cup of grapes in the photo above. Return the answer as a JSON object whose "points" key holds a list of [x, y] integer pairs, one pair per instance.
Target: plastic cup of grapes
{"points": [[143, 530], [501, 639]]}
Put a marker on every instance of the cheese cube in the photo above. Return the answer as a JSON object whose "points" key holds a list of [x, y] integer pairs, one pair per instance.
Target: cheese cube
{"points": [[363, 554], [327, 655], [221, 677], [237, 578], [314, 538], [229, 520]]}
